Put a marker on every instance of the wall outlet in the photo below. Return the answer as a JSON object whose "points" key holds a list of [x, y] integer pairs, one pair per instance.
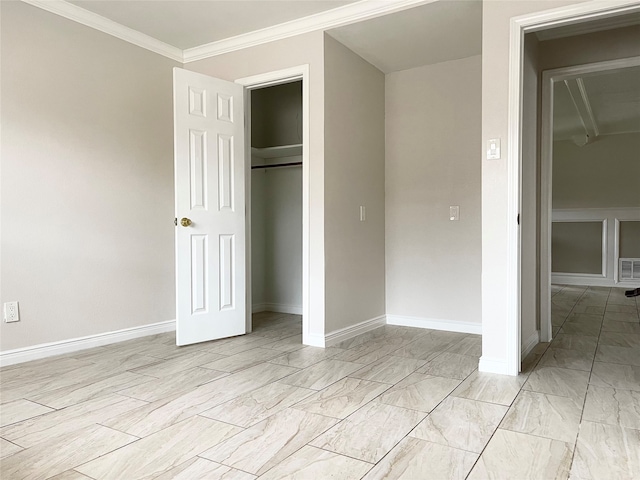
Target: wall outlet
{"points": [[11, 313]]}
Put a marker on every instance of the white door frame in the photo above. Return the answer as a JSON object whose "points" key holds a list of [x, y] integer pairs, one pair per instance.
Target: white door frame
{"points": [[278, 77], [549, 78], [519, 26]]}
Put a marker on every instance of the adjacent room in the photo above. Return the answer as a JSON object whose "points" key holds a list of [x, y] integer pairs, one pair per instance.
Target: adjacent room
{"points": [[272, 240]]}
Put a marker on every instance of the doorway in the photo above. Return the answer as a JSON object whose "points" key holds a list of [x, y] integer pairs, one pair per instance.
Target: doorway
{"points": [[290, 150], [276, 209]]}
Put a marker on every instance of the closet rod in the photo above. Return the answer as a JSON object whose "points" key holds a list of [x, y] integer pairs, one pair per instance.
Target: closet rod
{"points": [[277, 165]]}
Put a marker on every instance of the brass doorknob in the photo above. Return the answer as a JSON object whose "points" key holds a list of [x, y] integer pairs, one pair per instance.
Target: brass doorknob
{"points": [[185, 222]]}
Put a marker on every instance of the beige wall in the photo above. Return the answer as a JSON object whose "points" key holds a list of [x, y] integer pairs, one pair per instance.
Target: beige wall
{"points": [[576, 247], [433, 116], [276, 115], [629, 239], [354, 175], [602, 174], [496, 21], [87, 180], [589, 48], [278, 55]]}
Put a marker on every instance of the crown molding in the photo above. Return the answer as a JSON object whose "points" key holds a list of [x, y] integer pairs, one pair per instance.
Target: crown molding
{"points": [[98, 22], [351, 13]]}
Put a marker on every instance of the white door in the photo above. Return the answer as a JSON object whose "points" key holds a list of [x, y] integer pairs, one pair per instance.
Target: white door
{"points": [[210, 207]]}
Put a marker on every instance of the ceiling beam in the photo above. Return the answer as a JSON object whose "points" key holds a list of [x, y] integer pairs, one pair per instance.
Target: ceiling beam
{"points": [[580, 98]]}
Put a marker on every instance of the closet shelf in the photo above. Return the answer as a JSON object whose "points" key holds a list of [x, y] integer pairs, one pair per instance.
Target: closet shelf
{"points": [[276, 152]]}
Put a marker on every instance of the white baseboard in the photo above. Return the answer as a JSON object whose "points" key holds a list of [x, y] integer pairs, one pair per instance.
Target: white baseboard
{"points": [[582, 280], [346, 333], [435, 324], [313, 340], [529, 343], [495, 365], [277, 307], [36, 352]]}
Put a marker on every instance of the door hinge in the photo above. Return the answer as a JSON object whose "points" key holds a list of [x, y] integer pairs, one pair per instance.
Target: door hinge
{"points": [[175, 221]]}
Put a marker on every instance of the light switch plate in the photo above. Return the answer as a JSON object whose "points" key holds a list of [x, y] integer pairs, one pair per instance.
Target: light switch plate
{"points": [[363, 213], [454, 213], [493, 149]]}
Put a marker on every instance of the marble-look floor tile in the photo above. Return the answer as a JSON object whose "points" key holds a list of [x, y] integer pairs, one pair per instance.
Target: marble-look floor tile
{"points": [[626, 307], [419, 392], [161, 414], [313, 463], [388, 369], [488, 387], [115, 362], [7, 448], [263, 446], [427, 347], [183, 363], [461, 423], [19, 410], [70, 475], [588, 309], [51, 458], [201, 469], [288, 344], [562, 382], [236, 345], [584, 318], [450, 365], [88, 389], [166, 386], [581, 328], [626, 377], [370, 433], [34, 431], [471, 345], [606, 451], [157, 453], [343, 397], [621, 317], [575, 342], [620, 327], [241, 361], [572, 359], [617, 339], [306, 356], [622, 355], [414, 458], [518, 456], [253, 407], [366, 353], [612, 406], [544, 415], [322, 374]]}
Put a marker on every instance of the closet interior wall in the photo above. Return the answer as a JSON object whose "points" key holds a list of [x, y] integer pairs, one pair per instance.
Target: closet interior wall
{"points": [[276, 199]]}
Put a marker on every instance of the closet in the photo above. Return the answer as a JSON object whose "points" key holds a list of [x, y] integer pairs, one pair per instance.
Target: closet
{"points": [[276, 202]]}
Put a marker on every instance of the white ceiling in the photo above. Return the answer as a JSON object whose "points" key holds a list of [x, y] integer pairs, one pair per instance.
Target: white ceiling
{"points": [[432, 33], [613, 97], [190, 23]]}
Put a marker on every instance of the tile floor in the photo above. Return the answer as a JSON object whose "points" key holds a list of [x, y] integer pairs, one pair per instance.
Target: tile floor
{"points": [[392, 403]]}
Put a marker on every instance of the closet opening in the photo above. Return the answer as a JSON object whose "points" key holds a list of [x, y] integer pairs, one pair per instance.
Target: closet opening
{"points": [[276, 213]]}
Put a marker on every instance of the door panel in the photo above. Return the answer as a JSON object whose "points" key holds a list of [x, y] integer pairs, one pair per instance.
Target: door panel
{"points": [[209, 176]]}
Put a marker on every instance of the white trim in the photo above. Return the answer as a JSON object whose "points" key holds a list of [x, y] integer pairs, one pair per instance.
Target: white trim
{"points": [[530, 343], [351, 13], [102, 24], [272, 78], [520, 25], [581, 279], [494, 365], [337, 336], [616, 251], [315, 340], [435, 324], [278, 308], [11, 357]]}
